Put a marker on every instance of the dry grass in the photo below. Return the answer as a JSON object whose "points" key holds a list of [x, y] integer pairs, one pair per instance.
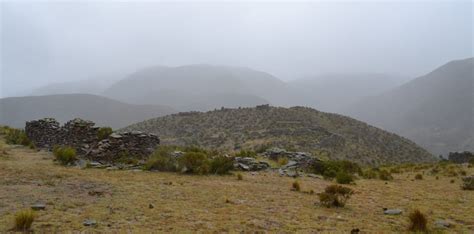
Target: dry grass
{"points": [[119, 200]]}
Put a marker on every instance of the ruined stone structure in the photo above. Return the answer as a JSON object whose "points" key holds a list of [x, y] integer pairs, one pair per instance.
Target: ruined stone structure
{"points": [[82, 135], [128, 145], [460, 157]]}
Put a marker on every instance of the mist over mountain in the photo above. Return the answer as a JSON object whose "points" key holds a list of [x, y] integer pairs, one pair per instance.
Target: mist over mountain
{"points": [[434, 110], [200, 87], [334, 92], [15, 111]]}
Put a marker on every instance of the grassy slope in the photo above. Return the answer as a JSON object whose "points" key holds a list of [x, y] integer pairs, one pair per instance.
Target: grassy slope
{"points": [[259, 202], [300, 128]]}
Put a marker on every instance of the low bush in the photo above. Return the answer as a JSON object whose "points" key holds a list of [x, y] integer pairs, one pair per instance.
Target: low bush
{"points": [[344, 178], [104, 132], [15, 136], [295, 186], [418, 222], [330, 169], [240, 177], [282, 161], [23, 220], [64, 155], [418, 177], [385, 175], [246, 153], [335, 196], [194, 162], [221, 165], [160, 162]]}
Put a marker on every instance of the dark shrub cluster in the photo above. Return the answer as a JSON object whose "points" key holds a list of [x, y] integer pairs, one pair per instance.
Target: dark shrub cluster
{"points": [[64, 155], [377, 173], [418, 222], [343, 170], [335, 196], [194, 160]]}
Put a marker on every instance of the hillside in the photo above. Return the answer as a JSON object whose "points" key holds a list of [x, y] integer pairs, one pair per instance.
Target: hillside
{"points": [[435, 110], [299, 128], [334, 92], [199, 87], [16, 111]]}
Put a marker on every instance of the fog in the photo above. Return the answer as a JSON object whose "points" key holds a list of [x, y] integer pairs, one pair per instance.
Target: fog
{"points": [[44, 43]]}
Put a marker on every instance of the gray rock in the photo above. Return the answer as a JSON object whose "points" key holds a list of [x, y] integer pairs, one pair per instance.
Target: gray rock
{"points": [[392, 211], [90, 223], [442, 223], [115, 136], [38, 206]]}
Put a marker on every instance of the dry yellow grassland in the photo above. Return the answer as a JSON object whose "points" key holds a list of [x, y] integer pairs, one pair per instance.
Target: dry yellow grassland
{"points": [[120, 200]]}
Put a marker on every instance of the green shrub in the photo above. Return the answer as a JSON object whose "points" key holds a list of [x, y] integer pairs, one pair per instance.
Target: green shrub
{"points": [[344, 178], [246, 153], [370, 174], [194, 162], [335, 196], [162, 160], [64, 155], [295, 186], [221, 165], [418, 177], [329, 169], [418, 222], [17, 137], [24, 219], [104, 132], [282, 161], [240, 177]]}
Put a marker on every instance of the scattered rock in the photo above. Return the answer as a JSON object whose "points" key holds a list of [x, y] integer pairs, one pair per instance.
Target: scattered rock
{"points": [[151, 206], [38, 206], [355, 231], [392, 211], [442, 223], [90, 223], [250, 164]]}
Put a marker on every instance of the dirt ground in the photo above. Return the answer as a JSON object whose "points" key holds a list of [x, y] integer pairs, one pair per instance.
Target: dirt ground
{"points": [[122, 200]]}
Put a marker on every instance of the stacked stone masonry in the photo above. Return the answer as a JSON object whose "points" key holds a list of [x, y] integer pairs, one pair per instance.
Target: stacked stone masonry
{"points": [[82, 135]]}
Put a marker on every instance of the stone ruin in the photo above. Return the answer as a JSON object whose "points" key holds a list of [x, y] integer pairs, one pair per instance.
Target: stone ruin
{"points": [[83, 136], [460, 157]]}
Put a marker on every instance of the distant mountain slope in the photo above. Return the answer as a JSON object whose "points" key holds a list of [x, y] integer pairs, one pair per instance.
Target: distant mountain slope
{"points": [[16, 111], [435, 110], [301, 128], [199, 87], [334, 92]]}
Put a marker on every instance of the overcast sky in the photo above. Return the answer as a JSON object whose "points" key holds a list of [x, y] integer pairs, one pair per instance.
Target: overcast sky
{"points": [[52, 42]]}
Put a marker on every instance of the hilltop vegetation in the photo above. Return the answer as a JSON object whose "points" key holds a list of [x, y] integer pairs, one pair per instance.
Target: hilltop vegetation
{"points": [[328, 136]]}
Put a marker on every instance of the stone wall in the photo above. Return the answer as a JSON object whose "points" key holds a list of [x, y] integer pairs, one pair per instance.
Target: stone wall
{"points": [[82, 135], [460, 157], [134, 145]]}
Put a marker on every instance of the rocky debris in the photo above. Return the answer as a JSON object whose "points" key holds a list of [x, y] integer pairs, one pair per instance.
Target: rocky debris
{"points": [[38, 206], [442, 223], [460, 157], [249, 164], [151, 206], [296, 159], [289, 172], [392, 211], [124, 146], [89, 223], [468, 183], [44, 132]]}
